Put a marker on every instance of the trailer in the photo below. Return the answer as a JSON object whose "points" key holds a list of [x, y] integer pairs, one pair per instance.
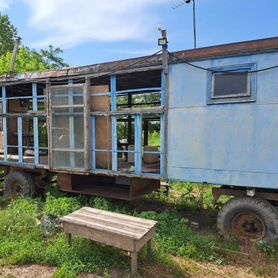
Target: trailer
{"points": [[207, 115]]}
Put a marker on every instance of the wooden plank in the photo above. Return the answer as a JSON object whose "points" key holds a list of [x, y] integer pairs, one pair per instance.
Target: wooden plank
{"points": [[19, 138], [66, 86], [115, 220], [100, 227], [118, 219], [105, 237], [135, 232], [5, 128], [147, 237], [35, 122], [120, 215], [48, 123], [64, 181], [133, 257], [87, 125], [138, 230], [102, 127]]}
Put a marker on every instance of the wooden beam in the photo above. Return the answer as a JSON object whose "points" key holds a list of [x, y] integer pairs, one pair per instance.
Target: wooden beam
{"points": [[87, 125], [35, 123], [19, 139], [5, 130]]}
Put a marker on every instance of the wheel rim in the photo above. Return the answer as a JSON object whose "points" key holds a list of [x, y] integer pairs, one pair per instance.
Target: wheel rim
{"points": [[16, 189], [248, 225]]}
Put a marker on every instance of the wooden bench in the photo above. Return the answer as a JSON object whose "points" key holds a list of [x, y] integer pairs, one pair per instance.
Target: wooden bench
{"points": [[119, 230]]}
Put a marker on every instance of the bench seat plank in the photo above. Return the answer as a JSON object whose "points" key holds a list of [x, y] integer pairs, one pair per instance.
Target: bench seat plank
{"points": [[130, 226], [121, 217], [113, 222]]}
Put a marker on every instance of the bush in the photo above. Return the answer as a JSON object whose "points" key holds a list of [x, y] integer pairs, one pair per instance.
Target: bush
{"points": [[175, 237], [20, 218], [269, 248], [60, 206]]}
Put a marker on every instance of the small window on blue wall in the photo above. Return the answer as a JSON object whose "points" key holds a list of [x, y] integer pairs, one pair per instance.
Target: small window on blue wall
{"points": [[230, 84]]}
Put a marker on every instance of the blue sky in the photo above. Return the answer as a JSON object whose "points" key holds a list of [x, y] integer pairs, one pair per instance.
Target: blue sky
{"points": [[93, 31]]}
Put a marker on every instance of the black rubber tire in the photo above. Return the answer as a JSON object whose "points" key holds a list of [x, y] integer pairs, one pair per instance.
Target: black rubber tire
{"points": [[23, 181], [262, 208]]}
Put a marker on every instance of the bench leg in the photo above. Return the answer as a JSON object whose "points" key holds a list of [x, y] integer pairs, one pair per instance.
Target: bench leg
{"points": [[69, 239], [133, 256], [149, 247]]}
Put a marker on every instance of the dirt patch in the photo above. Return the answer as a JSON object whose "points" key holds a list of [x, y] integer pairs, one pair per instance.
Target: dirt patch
{"points": [[194, 269], [27, 271]]}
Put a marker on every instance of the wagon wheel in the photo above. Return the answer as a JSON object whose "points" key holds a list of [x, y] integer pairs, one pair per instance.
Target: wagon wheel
{"points": [[248, 218], [248, 225]]}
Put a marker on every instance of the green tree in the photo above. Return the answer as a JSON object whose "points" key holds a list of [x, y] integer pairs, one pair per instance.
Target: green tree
{"points": [[52, 57], [7, 35], [27, 59]]}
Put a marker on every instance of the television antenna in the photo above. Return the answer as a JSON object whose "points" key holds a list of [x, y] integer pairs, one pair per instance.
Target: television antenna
{"points": [[180, 4]]}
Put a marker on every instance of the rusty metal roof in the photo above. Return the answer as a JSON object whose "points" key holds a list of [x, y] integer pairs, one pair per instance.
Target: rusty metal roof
{"points": [[154, 62]]}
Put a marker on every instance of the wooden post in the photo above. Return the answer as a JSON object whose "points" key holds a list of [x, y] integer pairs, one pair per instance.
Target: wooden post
{"points": [[19, 139], [146, 132], [71, 124], [5, 129], [149, 247], [129, 120], [69, 239], [133, 256], [35, 123], [165, 104], [87, 125], [48, 120]]}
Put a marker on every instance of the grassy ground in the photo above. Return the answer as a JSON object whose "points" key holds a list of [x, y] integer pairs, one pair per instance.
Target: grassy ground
{"points": [[180, 250]]}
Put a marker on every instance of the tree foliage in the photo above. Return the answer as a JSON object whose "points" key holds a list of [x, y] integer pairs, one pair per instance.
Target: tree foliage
{"points": [[27, 59], [52, 58], [7, 35], [30, 60]]}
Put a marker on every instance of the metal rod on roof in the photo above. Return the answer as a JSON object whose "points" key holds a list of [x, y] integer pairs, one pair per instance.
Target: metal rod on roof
{"points": [[194, 24], [194, 16], [15, 51]]}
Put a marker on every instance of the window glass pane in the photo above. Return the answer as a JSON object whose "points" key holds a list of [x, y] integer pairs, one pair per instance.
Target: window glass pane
{"points": [[67, 127], [67, 96], [226, 84], [60, 131]]}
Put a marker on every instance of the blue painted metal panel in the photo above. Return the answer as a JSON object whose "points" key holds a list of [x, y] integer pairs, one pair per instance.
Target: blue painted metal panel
{"points": [[113, 90], [25, 97], [162, 149], [138, 144], [232, 144], [153, 89]]}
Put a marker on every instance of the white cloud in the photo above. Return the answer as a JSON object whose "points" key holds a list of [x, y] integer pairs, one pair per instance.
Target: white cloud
{"points": [[4, 5], [68, 23]]}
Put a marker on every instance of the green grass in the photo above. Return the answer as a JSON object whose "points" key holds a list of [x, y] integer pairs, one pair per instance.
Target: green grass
{"points": [[22, 240]]}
